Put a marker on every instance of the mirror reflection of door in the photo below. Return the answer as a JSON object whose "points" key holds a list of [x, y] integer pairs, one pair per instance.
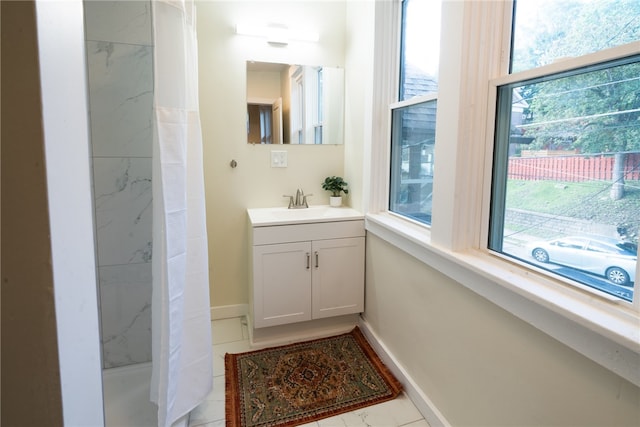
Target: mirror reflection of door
{"points": [[276, 114], [312, 107], [264, 122]]}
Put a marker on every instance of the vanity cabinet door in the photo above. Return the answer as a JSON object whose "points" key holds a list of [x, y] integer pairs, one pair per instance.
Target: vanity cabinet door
{"points": [[282, 283], [338, 277]]}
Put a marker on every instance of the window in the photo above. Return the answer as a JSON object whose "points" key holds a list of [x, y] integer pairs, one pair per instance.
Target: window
{"points": [[550, 30], [413, 117], [297, 105], [307, 89], [467, 214], [566, 173], [319, 107], [412, 143]]}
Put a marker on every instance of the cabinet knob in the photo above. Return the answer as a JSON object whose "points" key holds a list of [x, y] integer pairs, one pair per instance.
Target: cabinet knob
{"points": [[308, 260], [316, 259]]}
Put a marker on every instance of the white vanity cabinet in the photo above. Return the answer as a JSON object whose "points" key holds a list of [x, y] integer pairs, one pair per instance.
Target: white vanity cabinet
{"points": [[306, 269]]}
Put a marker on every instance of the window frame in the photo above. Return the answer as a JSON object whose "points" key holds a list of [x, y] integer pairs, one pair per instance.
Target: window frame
{"points": [[597, 61], [316, 100], [400, 105], [598, 326], [296, 77]]}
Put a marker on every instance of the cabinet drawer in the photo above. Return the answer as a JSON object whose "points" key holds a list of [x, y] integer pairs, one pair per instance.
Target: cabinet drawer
{"points": [[305, 232]]}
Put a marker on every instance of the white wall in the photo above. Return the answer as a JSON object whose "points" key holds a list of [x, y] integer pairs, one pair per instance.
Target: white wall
{"points": [[253, 183], [66, 135], [479, 364]]}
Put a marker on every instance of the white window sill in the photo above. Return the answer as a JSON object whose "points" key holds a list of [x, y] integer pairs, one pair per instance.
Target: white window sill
{"points": [[600, 327]]}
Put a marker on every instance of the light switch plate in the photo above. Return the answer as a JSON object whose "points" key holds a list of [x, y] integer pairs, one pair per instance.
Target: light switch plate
{"points": [[278, 159]]}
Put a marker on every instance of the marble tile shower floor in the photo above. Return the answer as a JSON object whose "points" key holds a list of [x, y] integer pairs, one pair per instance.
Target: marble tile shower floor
{"points": [[126, 397]]}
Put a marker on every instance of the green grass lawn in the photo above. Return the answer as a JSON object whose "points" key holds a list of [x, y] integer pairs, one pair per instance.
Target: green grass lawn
{"points": [[581, 200]]}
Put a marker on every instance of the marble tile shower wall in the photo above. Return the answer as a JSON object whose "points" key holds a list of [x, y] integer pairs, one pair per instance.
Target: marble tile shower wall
{"points": [[120, 69]]}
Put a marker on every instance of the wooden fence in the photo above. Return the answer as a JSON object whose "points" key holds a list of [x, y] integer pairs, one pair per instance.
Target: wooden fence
{"points": [[572, 168]]}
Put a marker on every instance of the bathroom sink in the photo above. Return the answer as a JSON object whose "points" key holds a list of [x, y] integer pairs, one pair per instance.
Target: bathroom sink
{"points": [[282, 216]]}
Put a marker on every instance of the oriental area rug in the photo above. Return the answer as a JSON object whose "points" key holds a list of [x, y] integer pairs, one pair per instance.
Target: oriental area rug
{"points": [[299, 383]]}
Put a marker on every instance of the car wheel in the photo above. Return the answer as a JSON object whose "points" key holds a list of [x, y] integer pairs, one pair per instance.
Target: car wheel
{"points": [[540, 255], [617, 276]]}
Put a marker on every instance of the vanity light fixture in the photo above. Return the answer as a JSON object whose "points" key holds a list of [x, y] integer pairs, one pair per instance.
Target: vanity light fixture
{"points": [[277, 34]]}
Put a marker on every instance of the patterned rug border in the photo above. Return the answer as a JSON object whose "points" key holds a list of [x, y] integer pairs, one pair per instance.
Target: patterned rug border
{"points": [[232, 399]]}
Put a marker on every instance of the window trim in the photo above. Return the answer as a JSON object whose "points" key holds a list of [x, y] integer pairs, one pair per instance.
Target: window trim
{"points": [[601, 329], [431, 96], [569, 64]]}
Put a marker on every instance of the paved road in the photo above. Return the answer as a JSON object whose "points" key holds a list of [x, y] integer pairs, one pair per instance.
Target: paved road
{"points": [[514, 248]]}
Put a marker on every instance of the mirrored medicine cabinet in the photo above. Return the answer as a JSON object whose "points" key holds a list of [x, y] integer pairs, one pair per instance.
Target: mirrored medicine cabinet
{"points": [[294, 104]]}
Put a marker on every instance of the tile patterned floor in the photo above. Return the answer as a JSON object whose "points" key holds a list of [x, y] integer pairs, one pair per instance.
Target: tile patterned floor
{"points": [[231, 336]]}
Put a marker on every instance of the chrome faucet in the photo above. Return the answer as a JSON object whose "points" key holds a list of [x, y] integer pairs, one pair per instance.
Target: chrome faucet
{"points": [[300, 201], [300, 197]]}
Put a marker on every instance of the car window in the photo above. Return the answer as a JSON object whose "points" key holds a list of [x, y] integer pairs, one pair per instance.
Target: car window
{"points": [[571, 243], [602, 247], [628, 247]]}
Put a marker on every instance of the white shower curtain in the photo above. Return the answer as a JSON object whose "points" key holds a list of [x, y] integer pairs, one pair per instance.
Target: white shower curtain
{"points": [[181, 325]]}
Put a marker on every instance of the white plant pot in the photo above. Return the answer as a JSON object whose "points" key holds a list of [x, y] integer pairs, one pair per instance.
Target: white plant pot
{"points": [[335, 201]]}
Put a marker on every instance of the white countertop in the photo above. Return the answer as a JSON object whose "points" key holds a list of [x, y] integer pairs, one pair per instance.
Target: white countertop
{"points": [[263, 217]]}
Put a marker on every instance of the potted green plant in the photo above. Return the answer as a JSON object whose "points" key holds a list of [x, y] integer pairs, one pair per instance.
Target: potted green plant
{"points": [[335, 185]]}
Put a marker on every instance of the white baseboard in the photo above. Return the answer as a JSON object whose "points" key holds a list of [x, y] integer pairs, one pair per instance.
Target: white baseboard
{"points": [[229, 311], [426, 407]]}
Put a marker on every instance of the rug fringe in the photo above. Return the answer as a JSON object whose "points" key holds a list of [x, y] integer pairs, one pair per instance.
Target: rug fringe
{"points": [[231, 395]]}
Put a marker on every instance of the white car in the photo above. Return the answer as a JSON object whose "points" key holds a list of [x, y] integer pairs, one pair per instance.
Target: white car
{"points": [[616, 260]]}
